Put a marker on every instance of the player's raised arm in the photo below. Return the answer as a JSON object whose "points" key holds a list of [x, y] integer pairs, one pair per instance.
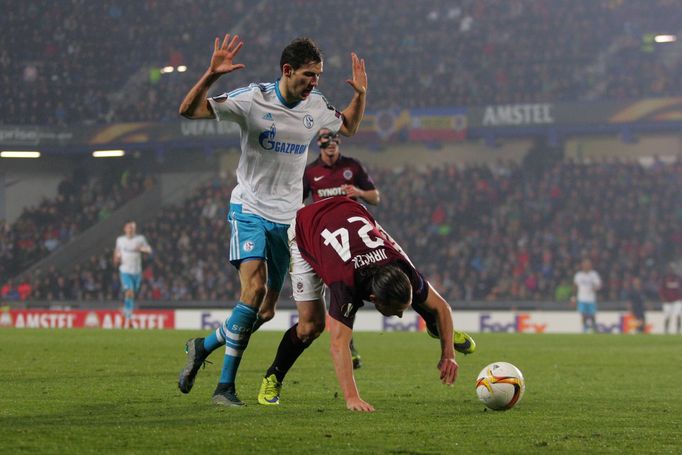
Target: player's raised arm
{"points": [[343, 364], [195, 105], [353, 113]]}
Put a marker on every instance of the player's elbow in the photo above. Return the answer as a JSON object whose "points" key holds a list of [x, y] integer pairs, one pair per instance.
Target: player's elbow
{"points": [[185, 112], [194, 113]]}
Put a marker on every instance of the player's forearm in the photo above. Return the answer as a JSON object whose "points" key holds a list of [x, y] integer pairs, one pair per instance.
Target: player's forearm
{"points": [[343, 365], [437, 304], [195, 105], [445, 330], [352, 115], [372, 197]]}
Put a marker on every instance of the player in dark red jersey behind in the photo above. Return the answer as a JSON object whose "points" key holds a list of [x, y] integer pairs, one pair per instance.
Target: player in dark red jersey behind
{"points": [[336, 242], [333, 174]]}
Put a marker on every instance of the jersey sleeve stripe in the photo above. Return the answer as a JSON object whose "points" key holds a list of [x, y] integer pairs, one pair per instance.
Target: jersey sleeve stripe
{"points": [[238, 91]]}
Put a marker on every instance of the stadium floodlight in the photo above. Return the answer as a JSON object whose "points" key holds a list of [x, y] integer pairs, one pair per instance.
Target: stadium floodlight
{"points": [[19, 154], [665, 38], [108, 153], [167, 69], [181, 68]]}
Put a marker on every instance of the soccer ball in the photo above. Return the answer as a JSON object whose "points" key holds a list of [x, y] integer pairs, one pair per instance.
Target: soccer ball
{"points": [[500, 386]]}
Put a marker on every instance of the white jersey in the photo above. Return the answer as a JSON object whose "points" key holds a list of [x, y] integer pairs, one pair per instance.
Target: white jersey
{"points": [[274, 141], [587, 283], [131, 258]]}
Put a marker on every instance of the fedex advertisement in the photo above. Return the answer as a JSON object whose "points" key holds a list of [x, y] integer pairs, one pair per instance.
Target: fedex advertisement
{"points": [[538, 322]]}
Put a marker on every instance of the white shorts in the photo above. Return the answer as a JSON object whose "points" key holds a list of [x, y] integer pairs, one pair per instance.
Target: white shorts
{"points": [[306, 284], [672, 309]]}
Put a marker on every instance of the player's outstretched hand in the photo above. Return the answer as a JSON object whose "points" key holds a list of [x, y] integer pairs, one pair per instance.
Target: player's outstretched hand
{"points": [[357, 404], [223, 55], [448, 370], [359, 81]]}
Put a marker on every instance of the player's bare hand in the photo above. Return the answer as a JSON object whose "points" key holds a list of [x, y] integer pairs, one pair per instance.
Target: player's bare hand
{"points": [[357, 404], [359, 81], [448, 370], [223, 55], [352, 191]]}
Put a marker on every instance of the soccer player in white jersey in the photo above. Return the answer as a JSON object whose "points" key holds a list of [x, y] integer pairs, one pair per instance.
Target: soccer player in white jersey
{"points": [[128, 258], [277, 120], [587, 282]]}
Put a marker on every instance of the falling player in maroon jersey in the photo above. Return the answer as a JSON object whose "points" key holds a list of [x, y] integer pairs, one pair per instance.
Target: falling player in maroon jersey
{"points": [[332, 174], [336, 242]]}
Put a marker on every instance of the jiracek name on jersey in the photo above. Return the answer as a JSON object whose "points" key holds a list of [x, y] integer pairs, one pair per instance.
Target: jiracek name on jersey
{"points": [[372, 257], [329, 192]]}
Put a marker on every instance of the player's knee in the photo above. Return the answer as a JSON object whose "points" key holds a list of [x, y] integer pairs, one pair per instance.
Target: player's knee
{"points": [[309, 331], [266, 314], [129, 294]]}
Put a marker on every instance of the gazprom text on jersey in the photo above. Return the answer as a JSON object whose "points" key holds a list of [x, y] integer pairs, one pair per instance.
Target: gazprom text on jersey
{"points": [[286, 147]]}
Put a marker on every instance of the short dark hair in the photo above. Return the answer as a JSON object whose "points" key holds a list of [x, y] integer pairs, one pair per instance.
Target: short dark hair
{"points": [[390, 285], [299, 52]]}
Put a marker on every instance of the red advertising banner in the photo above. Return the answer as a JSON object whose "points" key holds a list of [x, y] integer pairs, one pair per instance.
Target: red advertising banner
{"points": [[74, 319]]}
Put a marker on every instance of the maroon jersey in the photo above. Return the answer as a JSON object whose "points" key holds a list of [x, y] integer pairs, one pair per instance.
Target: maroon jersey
{"points": [[339, 238], [671, 289], [325, 181]]}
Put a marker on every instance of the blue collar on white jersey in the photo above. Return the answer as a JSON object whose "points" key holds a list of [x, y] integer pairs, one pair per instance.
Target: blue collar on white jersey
{"points": [[281, 98]]}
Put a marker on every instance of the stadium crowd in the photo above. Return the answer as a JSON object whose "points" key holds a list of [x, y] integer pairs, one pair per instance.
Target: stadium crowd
{"points": [[56, 67], [500, 232], [81, 201]]}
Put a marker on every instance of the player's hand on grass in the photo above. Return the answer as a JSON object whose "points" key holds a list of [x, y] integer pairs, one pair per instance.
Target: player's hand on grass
{"points": [[448, 370], [223, 55], [357, 404], [359, 81]]}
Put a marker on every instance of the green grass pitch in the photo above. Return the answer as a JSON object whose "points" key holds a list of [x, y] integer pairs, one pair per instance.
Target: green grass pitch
{"points": [[89, 391]]}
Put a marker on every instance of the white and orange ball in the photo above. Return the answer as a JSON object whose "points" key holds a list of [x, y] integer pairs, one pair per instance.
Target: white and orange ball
{"points": [[500, 386]]}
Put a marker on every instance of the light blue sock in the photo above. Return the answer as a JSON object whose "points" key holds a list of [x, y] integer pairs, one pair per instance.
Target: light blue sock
{"points": [[128, 305], [212, 342], [236, 332]]}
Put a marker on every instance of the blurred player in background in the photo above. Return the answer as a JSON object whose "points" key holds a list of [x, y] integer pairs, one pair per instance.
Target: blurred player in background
{"points": [[332, 174], [128, 258], [637, 303], [336, 242], [278, 120], [670, 293], [587, 282]]}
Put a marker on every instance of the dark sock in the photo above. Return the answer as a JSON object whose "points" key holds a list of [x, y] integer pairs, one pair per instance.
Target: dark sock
{"points": [[224, 387], [290, 348], [259, 322], [351, 345]]}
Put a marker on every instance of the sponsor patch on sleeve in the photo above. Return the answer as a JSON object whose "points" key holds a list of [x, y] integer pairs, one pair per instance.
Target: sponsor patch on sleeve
{"points": [[220, 98]]}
